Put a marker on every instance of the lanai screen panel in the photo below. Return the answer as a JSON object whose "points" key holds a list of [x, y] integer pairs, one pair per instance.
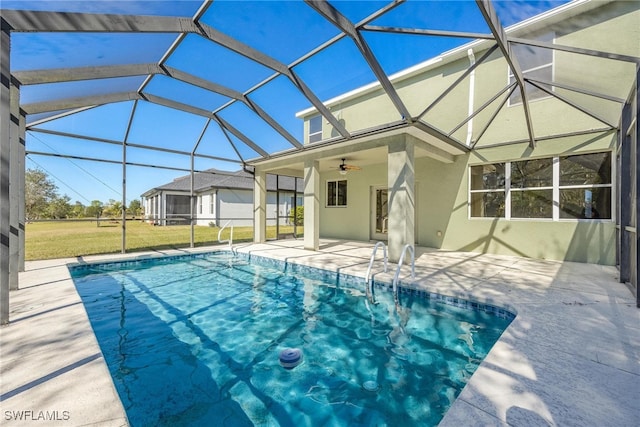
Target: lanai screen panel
{"points": [[246, 71]]}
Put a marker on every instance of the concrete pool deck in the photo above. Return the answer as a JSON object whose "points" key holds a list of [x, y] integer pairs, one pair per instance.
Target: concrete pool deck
{"points": [[571, 356]]}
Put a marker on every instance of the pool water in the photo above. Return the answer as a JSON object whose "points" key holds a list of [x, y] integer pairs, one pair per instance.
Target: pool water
{"points": [[195, 341]]}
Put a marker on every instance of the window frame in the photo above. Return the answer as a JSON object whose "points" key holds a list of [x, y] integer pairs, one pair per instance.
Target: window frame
{"points": [[502, 190], [512, 189], [556, 188], [551, 64], [317, 135], [337, 194]]}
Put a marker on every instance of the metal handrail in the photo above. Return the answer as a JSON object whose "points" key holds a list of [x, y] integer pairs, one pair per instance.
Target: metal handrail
{"points": [[369, 286], [230, 240], [400, 262]]}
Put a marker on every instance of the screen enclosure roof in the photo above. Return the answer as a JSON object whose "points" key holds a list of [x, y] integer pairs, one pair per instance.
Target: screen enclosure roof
{"points": [[227, 81]]}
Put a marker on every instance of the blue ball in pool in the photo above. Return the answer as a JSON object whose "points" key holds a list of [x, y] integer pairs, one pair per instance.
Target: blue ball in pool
{"points": [[290, 357]]}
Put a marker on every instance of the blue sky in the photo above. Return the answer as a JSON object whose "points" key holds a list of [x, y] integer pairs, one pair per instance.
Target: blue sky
{"points": [[284, 30]]}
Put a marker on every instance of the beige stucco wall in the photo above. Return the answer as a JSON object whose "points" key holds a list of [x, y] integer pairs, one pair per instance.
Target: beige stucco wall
{"points": [[616, 31], [572, 240], [442, 218], [351, 221], [442, 206]]}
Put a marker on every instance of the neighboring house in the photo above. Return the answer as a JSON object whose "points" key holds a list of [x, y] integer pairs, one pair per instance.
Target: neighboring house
{"points": [[220, 196], [483, 185]]}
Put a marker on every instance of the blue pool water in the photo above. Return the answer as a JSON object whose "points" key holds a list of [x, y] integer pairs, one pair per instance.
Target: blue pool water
{"points": [[195, 341]]}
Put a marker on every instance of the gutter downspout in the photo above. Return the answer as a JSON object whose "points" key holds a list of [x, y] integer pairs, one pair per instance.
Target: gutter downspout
{"points": [[472, 84]]}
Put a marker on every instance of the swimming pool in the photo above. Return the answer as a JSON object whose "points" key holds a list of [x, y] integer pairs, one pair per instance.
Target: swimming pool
{"points": [[195, 340]]}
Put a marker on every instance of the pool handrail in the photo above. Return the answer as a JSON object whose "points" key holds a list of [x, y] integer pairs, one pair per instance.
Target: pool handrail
{"points": [[230, 240], [400, 262], [369, 286]]}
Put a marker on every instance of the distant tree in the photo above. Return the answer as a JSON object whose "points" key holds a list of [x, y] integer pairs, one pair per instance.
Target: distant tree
{"points": [[59, 207], [78, 210], [135, 208], [297, 217], [39, 192], [95, 209], [113, 209]]}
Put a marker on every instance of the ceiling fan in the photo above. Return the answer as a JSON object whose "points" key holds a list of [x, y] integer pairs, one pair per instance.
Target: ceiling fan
{"points": [[344, 168]]}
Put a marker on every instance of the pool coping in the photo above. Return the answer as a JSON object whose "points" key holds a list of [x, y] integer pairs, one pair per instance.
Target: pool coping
{"points": [[351, 281], [570, 357]]}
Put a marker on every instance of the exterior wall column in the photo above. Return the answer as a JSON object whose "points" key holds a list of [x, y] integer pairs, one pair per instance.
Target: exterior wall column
{"points": [[259, 206], [5, 124], [163, 208], [401, 183], [312, 205], [158, 212], [14, 178]]}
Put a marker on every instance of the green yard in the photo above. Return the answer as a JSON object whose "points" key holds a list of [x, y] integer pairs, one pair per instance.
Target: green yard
{"points": [[63, 239]]}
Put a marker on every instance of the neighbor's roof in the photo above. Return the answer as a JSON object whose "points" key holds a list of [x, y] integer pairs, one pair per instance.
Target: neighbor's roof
{"points": [[213, 179]]}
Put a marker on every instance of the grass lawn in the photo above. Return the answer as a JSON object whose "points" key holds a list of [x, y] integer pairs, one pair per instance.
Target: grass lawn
{"points": [[64, 239]]}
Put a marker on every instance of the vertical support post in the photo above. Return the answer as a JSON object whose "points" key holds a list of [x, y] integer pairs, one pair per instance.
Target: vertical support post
{"points": [[277, 206], [124, 177], [124, 197], [192, 208], [636, 197], [259, 206], [21, 189], [5, 124], [192, 239], [401, 184], [312, 205], [14, 178], [624, 196]]}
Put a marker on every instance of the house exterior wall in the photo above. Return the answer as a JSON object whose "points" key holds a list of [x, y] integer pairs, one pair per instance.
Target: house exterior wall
{"points": [[228, 204], [208, 213], [617, 21], [590, 241], [442, 210]]}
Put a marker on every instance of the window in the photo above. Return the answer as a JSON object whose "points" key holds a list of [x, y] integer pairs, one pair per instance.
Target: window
{"points": [[585, 186], [535, 63], [315, 129], [487, 190], [337, 193], [200, 204], [568, 187], [532, 189]]}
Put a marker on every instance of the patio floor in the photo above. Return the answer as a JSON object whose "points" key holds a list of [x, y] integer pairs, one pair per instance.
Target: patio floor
{"points": [[571, 356]]}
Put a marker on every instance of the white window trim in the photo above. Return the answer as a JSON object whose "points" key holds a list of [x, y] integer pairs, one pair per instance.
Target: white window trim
{"points": [[326, 187], [315, 133], [555, 188]]}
